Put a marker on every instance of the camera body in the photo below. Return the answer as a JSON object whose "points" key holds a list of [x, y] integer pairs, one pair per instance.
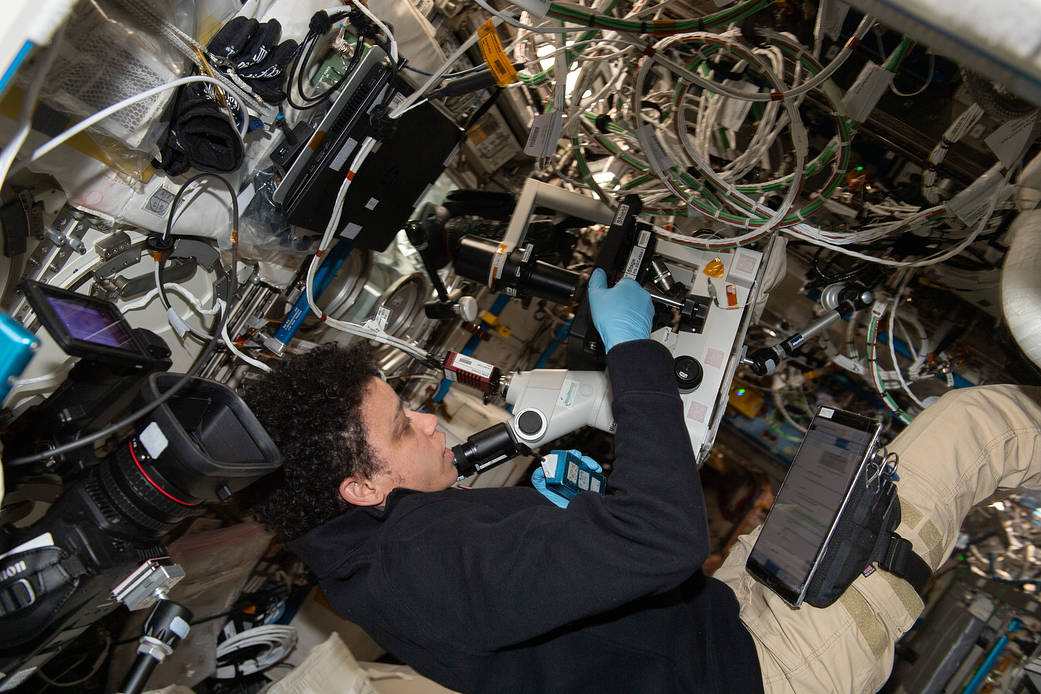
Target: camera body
{"points": [[70, 568]]}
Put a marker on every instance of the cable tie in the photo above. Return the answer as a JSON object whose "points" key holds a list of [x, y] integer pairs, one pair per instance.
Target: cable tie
{"points": [[350, 175], [776, 96], [852, 43], [319, 253], [590, 20], [649, 51], [324, 316], [667, 26]]}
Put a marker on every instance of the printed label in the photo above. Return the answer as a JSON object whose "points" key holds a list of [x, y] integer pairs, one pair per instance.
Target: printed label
{"points": [[159, 202], [382, 316], [862, 97], [572, 473], [491, 49], [498, 262], [351, 230], [832, 17], [472, 365], [734, 111], [568, 394], [549, 465], [545, 132], [1009, 141], [345, 151], [154, 440], [632, 268], [619, 216]]}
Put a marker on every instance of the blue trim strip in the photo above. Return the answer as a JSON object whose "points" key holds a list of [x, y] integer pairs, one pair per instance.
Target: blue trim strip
{"points": [[322, 277], [559, 335], [15, 64]]}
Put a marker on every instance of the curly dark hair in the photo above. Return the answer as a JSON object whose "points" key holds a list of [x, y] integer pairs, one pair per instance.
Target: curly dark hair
{"points": [[310, 405]]}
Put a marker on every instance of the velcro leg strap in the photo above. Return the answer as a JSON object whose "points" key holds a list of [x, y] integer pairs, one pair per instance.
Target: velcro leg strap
{"points": [[901, 560]]}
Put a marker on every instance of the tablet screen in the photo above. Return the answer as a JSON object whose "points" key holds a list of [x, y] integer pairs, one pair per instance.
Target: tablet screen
{"points": [[91, 323], [809, 501]]}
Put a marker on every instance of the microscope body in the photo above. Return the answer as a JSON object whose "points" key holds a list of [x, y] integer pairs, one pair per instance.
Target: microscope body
{"points": [[549, 403]]}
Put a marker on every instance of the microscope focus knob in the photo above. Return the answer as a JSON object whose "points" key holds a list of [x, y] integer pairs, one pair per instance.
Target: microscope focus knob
{"points": [[688, 372], [530, 424]]}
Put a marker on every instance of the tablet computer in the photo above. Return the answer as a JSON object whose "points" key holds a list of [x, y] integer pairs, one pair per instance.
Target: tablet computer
{"points": [[834, 452], [85, 326]]}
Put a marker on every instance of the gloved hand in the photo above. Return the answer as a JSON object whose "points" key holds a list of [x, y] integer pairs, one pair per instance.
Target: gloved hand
{"points": [[621, 313], [538, 479]]}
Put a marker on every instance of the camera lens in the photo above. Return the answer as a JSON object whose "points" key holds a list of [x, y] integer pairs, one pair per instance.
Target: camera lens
{"points": [[136, 490], [516, 274]]}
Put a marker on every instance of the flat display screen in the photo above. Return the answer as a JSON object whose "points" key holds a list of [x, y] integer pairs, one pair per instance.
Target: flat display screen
{"points": [[91, 323], [809, 501]]}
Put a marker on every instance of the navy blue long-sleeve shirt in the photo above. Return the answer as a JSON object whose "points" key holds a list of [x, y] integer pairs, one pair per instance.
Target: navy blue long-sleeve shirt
{"points": [[494, 590]]}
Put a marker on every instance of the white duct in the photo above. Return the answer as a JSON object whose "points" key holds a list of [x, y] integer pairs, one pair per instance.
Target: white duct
{"points": [[1021, 275]]}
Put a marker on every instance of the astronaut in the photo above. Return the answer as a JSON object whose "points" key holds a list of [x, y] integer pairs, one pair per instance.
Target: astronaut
{"points": [[492, 590]]}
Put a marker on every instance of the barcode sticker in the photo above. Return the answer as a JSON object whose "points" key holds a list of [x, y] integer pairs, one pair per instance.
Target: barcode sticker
{"points": [[474, 366], [545, 132]]}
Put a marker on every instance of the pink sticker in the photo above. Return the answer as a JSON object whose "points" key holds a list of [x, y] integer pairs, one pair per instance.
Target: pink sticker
{"points": [[713, 357], [745, 263], [697, 411]]}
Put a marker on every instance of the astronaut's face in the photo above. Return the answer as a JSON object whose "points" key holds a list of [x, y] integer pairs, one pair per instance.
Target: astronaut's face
{"points": [[408, 444]]}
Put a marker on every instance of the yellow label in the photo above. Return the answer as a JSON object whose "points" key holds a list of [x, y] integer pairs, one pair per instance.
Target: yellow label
{"points": [[491, 50], [503, 330], [716, 268], [489, 318]]}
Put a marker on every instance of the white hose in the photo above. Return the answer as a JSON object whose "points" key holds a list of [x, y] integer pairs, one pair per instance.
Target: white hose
{"points": [[1021, 284]]}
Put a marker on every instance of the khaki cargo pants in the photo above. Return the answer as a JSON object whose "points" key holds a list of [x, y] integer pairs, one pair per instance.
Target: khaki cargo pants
{"points": [[954, 455]]}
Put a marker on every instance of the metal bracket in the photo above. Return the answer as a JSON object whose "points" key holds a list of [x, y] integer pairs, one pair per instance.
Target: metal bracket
{"points": [[149, 582]]}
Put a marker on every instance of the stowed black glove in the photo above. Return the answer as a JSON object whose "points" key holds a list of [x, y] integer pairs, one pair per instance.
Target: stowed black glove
{"points": [[251, 50], [200, 135]]}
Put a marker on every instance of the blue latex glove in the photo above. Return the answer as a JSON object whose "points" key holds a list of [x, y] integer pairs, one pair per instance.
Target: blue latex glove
{"points": [[621, 313], [538, 479]]}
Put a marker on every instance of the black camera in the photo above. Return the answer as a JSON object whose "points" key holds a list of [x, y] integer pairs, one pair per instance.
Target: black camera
{"points": [[100, 545]]}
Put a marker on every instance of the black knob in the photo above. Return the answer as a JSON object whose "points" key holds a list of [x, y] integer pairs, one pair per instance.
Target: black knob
{"points": [[529, 423], [688, 373]]}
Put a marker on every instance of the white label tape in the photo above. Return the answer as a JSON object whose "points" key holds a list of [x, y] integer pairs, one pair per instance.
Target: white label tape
{"points": [[154, 440]]}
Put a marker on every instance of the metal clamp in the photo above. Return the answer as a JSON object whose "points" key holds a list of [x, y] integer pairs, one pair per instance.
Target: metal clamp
{"points": [[149, 582]]}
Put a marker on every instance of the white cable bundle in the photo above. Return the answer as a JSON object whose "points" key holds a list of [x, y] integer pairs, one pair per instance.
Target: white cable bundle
{"points": [[276, 640]]}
